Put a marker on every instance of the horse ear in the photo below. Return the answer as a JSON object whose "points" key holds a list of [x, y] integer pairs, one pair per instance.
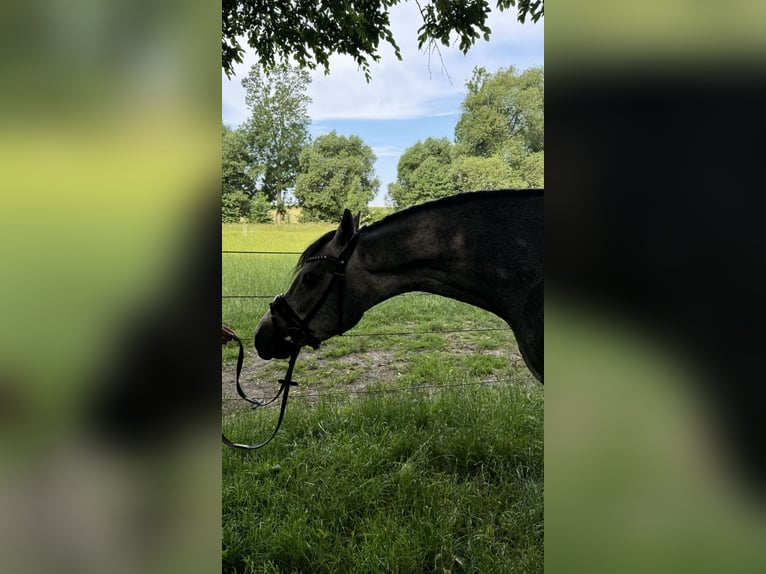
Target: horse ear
{"points": [[346, 229], [357, 219]]}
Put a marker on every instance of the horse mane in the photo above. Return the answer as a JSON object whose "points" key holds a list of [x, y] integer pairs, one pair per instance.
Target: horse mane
{"points": [[450, 200]]}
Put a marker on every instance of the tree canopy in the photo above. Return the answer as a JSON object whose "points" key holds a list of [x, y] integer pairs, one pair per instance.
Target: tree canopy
{"points": [[500, 107], [310, 32], [499, 142], [336, 172], [422, 173]]}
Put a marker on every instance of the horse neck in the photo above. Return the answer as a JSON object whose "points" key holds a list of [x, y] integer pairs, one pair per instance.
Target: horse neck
{"points": [[436, 257]]}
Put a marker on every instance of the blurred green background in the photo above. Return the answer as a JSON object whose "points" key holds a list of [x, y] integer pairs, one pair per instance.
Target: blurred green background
{"points": [[109, 155], [638, 476], [652, 32]]}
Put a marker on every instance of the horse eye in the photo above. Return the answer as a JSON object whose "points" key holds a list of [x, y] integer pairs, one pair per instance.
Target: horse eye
{"points": [[310, 279]]}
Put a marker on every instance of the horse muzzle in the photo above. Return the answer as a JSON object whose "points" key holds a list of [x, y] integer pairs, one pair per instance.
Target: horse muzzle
{"points": [[270, 342], [281, 332]]}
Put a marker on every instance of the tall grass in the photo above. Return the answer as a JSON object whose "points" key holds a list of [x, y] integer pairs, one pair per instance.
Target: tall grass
{"points": [[422, 471]]}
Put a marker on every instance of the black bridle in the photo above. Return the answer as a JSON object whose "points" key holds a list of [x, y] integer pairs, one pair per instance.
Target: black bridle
{"points": [[300, 334], [298, 331]]}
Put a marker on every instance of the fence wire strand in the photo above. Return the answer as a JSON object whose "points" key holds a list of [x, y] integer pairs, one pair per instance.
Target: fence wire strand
{"points": [[264, 252]]}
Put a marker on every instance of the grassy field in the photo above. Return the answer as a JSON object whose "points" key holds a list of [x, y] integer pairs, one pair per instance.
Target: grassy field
{"points": [[408, 447]]}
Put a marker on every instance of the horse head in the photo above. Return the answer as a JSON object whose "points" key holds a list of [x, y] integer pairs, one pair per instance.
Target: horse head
{"points": [[312, 308]]}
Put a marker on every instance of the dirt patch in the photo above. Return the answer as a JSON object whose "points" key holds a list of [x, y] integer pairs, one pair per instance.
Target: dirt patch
{"points": [[350, 374]]}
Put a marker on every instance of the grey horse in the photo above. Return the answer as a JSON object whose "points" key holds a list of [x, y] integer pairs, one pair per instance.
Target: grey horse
{"points": [[483, 248]]}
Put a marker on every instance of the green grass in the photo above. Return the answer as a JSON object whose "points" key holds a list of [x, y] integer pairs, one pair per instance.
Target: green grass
{"points": [[391, 483], [392, 456]]}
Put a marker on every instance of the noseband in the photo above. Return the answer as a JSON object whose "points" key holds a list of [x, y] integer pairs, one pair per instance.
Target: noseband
{"points": [[298, 331]]}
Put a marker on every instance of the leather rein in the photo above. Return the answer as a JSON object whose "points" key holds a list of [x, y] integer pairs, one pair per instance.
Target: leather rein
{"points": [[284, 389], [298, 332]]}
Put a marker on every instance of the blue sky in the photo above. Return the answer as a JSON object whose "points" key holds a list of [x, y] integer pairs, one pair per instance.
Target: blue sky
{"points": [[406, 101]]}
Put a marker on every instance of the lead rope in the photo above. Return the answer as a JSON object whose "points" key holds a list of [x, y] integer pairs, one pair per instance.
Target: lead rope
{"points": [[284, 389]]}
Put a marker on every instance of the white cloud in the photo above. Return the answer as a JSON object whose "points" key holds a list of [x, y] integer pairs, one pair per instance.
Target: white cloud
{"points": [[387, 151], [421, 85]]}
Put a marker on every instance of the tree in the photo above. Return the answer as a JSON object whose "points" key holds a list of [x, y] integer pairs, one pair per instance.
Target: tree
{"points": [[237, 169], [527, 167], [235, 205], [336, 173], [277, 129], [471, 173], [238, 174], [503, 122], [260, 210], [500, 107], [311, 32], [422, 173]]}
